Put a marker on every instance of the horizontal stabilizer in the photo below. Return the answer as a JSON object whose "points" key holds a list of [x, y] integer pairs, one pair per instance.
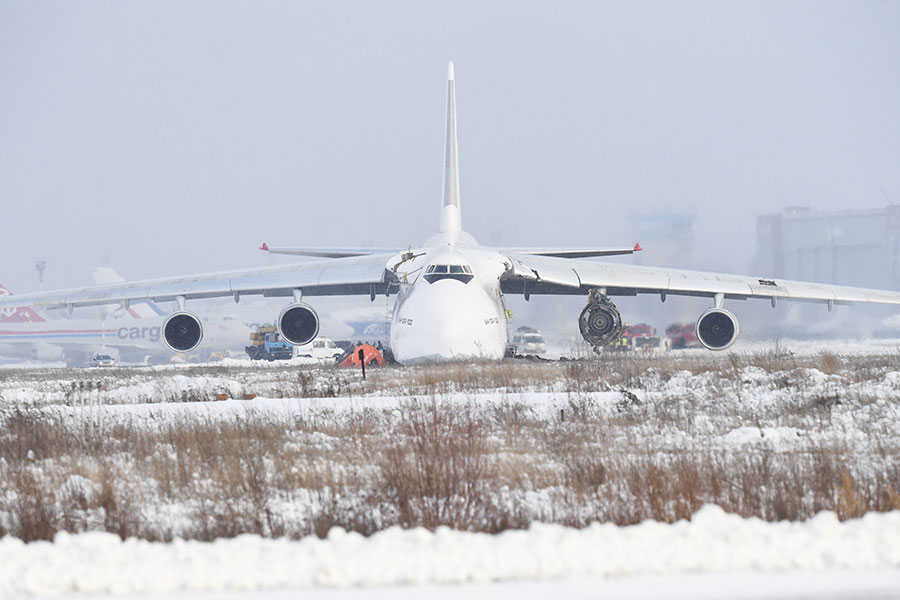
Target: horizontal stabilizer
{"points": [[575, 252], [17, 314], [328, 252]]}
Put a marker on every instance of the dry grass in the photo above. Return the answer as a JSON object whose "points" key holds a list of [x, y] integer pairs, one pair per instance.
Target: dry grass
{"points": [[648, 450]]}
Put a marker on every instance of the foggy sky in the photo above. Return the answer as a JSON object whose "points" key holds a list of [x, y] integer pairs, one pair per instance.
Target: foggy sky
{"points": [[174, 137]]}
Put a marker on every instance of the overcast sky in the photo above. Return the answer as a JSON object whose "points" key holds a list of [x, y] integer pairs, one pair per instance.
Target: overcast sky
{"points": [[174, 137]]}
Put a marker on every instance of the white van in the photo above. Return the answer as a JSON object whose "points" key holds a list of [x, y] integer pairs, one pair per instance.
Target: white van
{"points": [[527, 340], [321, 348]]}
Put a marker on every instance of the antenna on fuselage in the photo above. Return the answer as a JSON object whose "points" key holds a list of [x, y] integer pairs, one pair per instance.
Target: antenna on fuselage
{"points": [[451, 221]]}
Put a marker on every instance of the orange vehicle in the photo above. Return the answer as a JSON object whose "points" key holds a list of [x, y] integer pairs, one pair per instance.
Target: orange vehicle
{"points": [[370, 356]]}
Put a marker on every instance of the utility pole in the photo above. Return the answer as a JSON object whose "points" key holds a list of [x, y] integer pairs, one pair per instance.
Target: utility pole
{"points": [[40, 265]]}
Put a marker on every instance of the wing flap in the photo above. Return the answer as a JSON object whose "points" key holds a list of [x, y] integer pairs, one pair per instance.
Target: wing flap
{"points": [[696, 284]]}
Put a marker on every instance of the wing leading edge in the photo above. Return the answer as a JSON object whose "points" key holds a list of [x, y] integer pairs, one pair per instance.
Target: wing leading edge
{"points": [[529, 274]]}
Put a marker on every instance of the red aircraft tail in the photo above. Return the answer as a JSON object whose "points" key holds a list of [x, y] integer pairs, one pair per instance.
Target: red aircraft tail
{"points": [[21, 314]]}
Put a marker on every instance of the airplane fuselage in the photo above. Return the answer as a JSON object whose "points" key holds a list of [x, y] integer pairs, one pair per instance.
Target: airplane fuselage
{"points": [[450, 306]]}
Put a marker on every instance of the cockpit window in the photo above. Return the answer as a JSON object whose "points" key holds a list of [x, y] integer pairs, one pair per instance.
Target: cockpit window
{"points": [[458, 272]]}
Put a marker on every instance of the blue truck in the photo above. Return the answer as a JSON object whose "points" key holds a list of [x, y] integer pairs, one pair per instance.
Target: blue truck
{"points": [[267, 344]]}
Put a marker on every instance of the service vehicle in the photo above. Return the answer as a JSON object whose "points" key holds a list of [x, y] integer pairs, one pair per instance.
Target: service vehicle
{"points": [[638, 337], [321, 348], [527, 340], [682, 335], [103, 360], [267, 343]]}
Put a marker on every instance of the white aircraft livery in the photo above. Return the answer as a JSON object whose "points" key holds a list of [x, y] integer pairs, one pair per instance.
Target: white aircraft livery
{"points": [[27, 334], [450, 291]]}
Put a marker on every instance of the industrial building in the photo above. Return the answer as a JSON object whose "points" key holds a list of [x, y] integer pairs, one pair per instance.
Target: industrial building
{"points": [[849, 247]]}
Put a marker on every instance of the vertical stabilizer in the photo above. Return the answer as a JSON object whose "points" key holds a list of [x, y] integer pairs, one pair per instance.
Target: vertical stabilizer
{"points": [[21, 314], [450, 211], [143, 309]]}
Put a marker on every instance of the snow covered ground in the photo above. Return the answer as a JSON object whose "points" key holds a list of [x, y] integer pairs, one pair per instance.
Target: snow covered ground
{"points": [[784, 433], [712, 542], [831, 585]]}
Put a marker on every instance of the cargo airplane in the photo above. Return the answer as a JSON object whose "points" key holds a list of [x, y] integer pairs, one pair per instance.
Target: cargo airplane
{"points": [[26, 333], [450, 292], [130, 333]]}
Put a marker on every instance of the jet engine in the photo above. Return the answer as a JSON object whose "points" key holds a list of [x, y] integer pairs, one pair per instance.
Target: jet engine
{"points": [[717, 329], [600, 322], [182, 331], [298, 323]]}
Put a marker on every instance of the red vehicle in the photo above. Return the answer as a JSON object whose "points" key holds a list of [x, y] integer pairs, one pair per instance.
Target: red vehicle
{"points": [[641, 337], [682, 335], [639, 330]]}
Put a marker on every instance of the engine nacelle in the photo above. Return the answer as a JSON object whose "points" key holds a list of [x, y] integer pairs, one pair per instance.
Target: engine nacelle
{"points": [[600, 322], [298, 323], [182, 331], [717, 329]]}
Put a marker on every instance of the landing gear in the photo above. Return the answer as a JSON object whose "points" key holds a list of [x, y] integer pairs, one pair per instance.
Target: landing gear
{"points": [[600, 322]]}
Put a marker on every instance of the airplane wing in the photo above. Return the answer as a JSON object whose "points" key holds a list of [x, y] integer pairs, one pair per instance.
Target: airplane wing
{"points": [[529, 274], [342, 276]]}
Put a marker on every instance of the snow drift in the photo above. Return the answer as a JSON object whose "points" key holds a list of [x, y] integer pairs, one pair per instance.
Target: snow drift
{"points": [[713, 541]]}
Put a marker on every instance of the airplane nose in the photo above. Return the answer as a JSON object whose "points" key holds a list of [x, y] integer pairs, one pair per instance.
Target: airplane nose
{"points": [[448, 320]]}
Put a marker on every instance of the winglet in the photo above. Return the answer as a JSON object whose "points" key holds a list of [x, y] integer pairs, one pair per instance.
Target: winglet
{"points": [[451, 221]]}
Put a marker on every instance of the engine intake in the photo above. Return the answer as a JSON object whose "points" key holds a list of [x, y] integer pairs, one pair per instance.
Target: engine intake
{"points": [[298, 323], [182, 331], [717, 329], [600, 322]]}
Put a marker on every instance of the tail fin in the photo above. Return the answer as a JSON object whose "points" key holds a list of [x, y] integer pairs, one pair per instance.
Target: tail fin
{"points": [[21, 314], [451, 220], [144, 309]]}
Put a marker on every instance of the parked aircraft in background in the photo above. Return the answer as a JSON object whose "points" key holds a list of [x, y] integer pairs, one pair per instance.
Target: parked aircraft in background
{"points": [[131, 334], [28, 334], [139, 310], [450, 291], [223, 332]]}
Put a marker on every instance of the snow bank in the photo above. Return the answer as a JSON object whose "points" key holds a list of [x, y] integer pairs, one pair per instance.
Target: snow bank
{"points": [[712, 542]]}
